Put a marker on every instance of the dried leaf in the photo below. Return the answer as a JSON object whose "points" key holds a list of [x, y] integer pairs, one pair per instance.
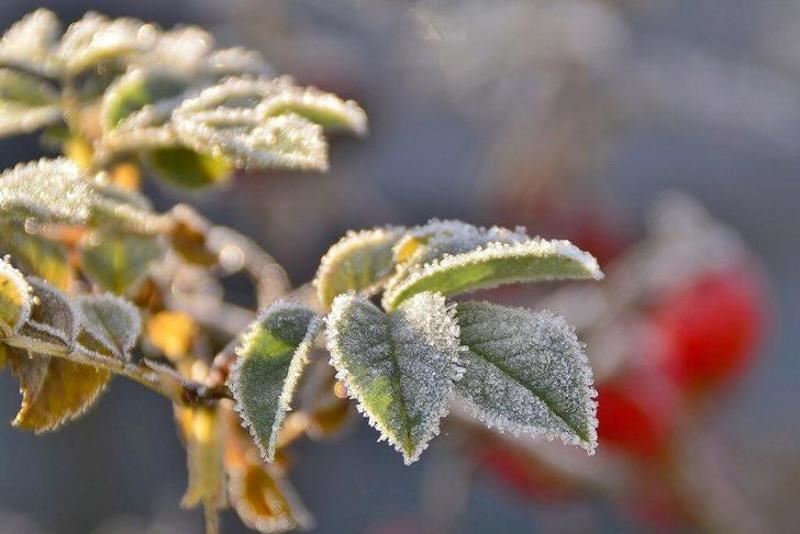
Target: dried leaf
{"points": [[26, 103], [270, 361], [399, 366], [526, 372], [15, 299], [360, 261], [54, 390], [118, 263]]}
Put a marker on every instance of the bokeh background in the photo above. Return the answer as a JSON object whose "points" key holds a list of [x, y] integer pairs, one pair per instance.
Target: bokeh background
{"points": [[535, 112]]}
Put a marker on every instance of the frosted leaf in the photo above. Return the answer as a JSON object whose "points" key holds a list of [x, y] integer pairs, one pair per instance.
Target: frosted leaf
{"points": [[95, 39], [54, 390], [112, 322], [494, 265], [15, 299], [26, 103], [259, 123], [270, 361], [115, 209], [35, 254], [50, 190], [182, 50], [53, 313], [29, 43], [360, 261], [186, 168], [133, 91], [237, 60], [526, 372], [400, 367], [119, 262]]}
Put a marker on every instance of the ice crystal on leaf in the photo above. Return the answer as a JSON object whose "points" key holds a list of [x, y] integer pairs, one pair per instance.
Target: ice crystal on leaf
{"points": [[400, 366], [26, 103], [29, 43], [526, 372], [53, 313], [272, 356], [360, 261]]}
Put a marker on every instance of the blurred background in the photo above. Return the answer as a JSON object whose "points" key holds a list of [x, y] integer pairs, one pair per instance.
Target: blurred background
{"points": [[661, 135]]}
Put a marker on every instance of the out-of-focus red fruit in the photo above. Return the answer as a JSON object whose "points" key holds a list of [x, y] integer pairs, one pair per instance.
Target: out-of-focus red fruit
{"points": [[638, 413], [522, 473], [711, 329]]}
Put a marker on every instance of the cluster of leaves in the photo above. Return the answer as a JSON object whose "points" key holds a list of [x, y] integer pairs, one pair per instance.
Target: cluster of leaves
{"points": [[89, 281]]}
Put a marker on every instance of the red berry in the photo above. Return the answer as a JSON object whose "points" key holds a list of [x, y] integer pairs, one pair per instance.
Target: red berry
{"points": [[711, 328]]}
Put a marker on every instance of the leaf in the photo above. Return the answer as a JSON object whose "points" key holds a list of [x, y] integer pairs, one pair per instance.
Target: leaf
{"points": [[172, 332], [360, 262], [118, 263], [26, 103], [115, 209], [95, 39], [270, 362], [53, 314], [15, 299], [134, 90], [29, 43], [259, 123], [48, 190], [493, 265], [54, 390], [399, 366], [186, 168], [526, 372], [111, 322], [35, 254]]}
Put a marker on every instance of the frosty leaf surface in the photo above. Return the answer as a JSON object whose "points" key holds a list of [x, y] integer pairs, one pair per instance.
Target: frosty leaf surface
{"points": [[53, 314], [526, 372], [26, 103], [400, 367], [118, 262], [360, 261], [15, 299], [493, 265], [112, 322], [54, 390], [186, 168], [29, 43], [270, 361], [134, 90]]}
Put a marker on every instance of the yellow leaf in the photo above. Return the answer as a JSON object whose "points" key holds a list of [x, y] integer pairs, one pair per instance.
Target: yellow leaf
{"points": [[36, 255], [172, 332], [15, 299], [54, 390]]}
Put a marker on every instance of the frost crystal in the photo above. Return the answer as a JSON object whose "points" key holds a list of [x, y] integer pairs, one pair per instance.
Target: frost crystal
{"points": [[270, 361], [360, 261], [526, 372], [400, 367], [111, 321]]}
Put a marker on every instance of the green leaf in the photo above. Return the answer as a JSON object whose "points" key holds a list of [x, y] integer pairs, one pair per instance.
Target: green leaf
{"points": [[54, 315], [270, 361], [360, 261], [526, 372], [113, 325], [116, 210], [36, 254], [26, 103], [54, 390], [134, 90], [259, 123], [493, 265], [119, 262], [186, 168], [29, 43], [399, 366], [15, 299]]}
